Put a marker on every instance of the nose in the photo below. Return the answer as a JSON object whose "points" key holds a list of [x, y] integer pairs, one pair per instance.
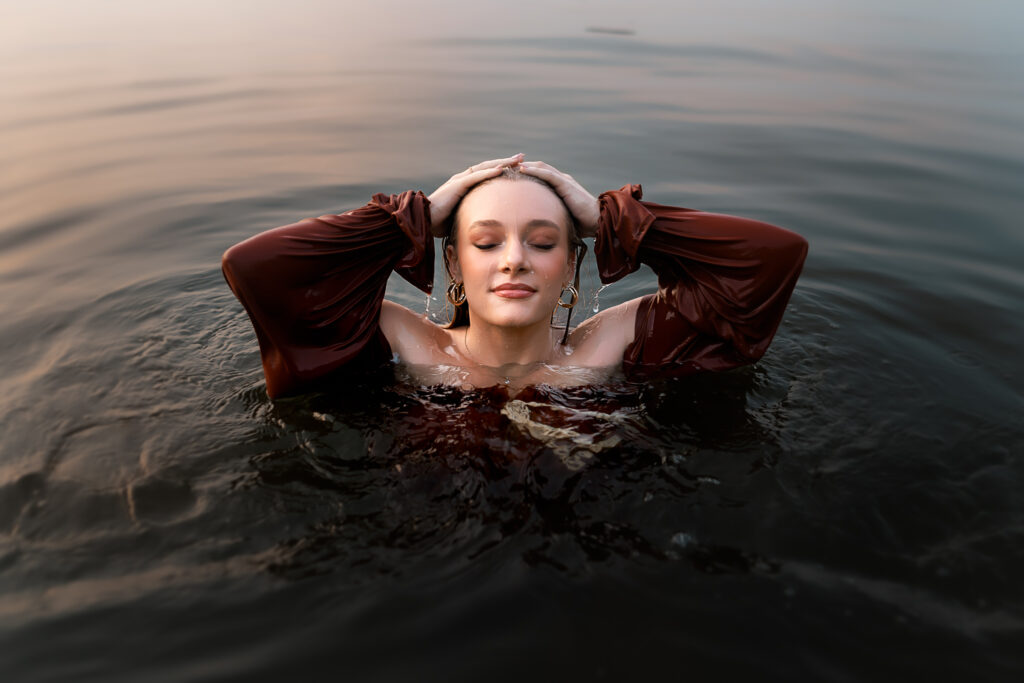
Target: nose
{"points": [[513, 257]]}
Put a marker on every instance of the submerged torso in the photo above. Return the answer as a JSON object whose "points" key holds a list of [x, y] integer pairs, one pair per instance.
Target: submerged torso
{"points": [[513, 377], [569, 413]]}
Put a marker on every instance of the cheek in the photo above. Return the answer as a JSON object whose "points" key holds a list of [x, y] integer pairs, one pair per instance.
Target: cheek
{"points": [[473, 264], [555, 267]]}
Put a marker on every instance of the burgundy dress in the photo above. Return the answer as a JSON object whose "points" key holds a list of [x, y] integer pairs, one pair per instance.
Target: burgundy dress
{"points": [[314, 289]]}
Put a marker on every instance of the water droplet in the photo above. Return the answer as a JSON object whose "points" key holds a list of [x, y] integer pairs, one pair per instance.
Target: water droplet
{"points": [[596, 305]]}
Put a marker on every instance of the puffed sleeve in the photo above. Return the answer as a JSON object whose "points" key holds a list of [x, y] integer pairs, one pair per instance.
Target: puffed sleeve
{"points": [[723, 282], [313, 289]]}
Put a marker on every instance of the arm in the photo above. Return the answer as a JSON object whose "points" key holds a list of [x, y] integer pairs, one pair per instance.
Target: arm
{"points": [[723, 282], [313, 289]]}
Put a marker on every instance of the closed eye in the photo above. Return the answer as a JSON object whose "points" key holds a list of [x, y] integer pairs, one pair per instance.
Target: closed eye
{"points": [[485, 247], [545, 247]]}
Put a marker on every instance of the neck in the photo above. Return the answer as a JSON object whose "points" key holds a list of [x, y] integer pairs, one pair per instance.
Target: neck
{"points": [[498, 346]]}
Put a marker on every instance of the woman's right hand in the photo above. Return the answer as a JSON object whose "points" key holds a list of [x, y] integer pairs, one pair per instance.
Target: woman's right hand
{"points": [[444, 199]]}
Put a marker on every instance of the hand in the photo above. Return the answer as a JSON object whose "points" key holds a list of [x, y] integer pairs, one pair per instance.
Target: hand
{"points": [[583, 205], [444, 199]]}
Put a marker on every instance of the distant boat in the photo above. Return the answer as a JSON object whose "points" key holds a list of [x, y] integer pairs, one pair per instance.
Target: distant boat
{"points": [[613, 31]]}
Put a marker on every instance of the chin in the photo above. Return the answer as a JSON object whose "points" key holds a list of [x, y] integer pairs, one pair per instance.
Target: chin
{"points": [[515, 319]]}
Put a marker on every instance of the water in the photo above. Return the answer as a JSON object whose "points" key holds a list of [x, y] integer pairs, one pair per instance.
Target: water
{"points": [[848, 508]]}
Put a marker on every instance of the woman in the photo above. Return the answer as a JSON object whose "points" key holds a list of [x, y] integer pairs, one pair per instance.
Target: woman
{"points": [[315, 289]]}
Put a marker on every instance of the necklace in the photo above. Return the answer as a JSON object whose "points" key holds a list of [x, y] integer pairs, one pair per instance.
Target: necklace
{"points": [[469, 354], [502, 371]]}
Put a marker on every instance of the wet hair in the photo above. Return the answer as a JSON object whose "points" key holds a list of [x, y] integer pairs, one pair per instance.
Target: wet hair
{"points": [[460, 316]]}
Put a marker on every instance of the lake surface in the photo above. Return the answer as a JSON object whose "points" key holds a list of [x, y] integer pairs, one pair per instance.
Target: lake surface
{"points": [[849, 508]]}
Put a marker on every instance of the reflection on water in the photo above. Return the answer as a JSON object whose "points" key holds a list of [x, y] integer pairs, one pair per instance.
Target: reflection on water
{"points": [[446, 473], [855, 492]]}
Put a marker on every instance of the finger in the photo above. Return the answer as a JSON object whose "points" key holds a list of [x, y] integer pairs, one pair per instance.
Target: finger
{"points": [[540, 164], [547, 173], [541, 174], [474, 177], [495, 163], [471, 173], [542, 167], [507, 160], [456, 186], [535, 166], [460, 183]]}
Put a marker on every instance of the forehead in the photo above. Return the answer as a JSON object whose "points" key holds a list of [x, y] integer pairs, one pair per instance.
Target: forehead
{"points": [[512, 201]]}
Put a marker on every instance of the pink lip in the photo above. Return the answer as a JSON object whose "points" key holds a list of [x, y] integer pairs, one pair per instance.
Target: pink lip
{"points": [[513, 290]]}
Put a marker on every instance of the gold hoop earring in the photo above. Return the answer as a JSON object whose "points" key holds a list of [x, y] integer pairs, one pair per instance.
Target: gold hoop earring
{"points": [[573, 294], [456, 294]]}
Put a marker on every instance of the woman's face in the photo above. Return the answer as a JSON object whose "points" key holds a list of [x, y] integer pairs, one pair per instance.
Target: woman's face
{"points": [[512, 253]]}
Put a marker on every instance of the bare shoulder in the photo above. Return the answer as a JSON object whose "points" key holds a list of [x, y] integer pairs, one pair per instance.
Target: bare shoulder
{"points": [[413, 336], [601, 340]]}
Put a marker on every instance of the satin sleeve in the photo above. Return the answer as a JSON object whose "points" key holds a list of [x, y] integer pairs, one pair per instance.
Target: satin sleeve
{"points": [[313, 289], [723, 282]]}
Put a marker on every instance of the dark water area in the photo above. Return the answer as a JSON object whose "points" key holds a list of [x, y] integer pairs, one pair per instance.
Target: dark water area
{"points": [[849, 508]]}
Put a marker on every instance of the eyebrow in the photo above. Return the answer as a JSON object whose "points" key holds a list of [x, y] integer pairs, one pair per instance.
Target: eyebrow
{"points": [[535, 223]]}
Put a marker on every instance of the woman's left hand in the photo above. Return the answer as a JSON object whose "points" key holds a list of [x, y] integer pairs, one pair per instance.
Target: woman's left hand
{"points": [[583, 205]]}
